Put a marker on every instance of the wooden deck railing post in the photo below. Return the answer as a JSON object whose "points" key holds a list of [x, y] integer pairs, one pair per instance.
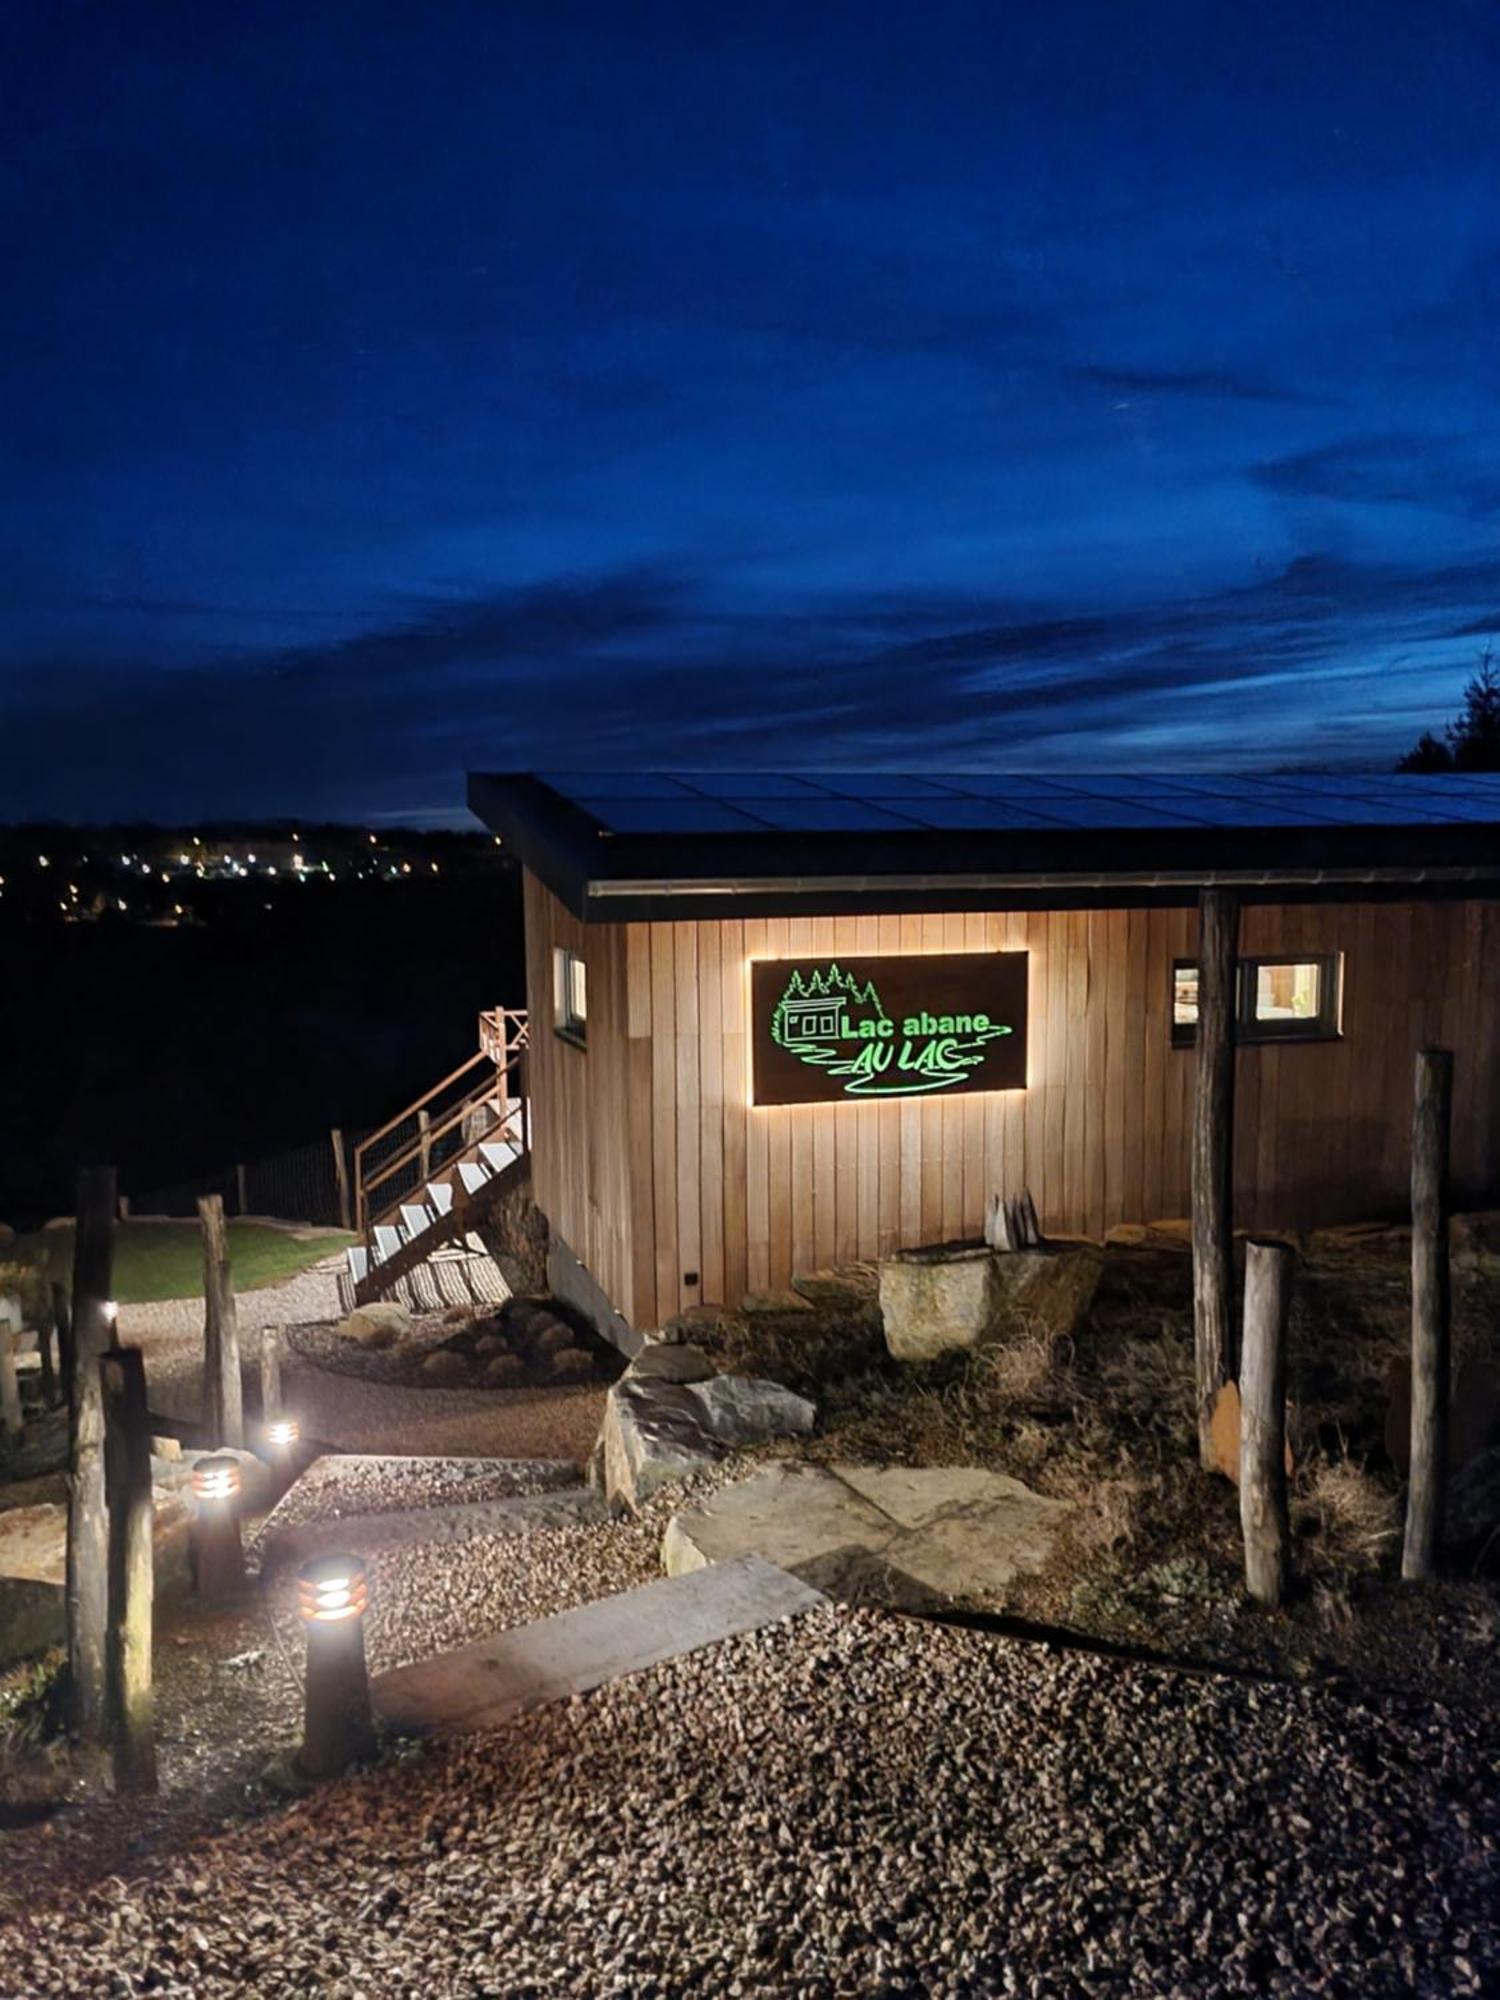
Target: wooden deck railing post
{"points": [[1213, 1157], [88, 1515], [341, 1177], [1432, 1119]]}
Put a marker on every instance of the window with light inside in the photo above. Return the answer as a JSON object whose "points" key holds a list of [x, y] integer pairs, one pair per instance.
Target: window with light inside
{"points": [[1277, 999], [570, 1005]]}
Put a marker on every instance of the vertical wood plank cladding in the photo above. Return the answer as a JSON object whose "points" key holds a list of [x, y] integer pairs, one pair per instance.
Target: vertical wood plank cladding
{"points": [[734, 1113], [711, 1040], [757, 1152], [649, 1161], [664, 1117]]}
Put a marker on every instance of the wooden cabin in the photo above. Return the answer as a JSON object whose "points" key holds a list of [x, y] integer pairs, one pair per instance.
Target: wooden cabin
{"points": [[783, 1021]]}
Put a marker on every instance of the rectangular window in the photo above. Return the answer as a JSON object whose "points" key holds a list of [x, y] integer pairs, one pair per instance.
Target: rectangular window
{"points": [[570, 998], [1276, 999]]}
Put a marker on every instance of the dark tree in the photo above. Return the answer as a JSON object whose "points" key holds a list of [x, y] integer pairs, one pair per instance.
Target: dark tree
{"points": [[1471, 741]]}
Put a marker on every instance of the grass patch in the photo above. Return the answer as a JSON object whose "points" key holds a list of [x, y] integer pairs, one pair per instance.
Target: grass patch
{"points": [[164, 1260]]}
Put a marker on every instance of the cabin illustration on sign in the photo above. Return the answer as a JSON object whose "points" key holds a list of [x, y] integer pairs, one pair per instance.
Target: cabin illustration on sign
{"points": [[826, 1008]]}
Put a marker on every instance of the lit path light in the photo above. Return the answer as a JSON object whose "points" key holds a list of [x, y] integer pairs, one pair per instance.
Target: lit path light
{"points": [[282, 1436], [218, 1557], [337, 1727]]}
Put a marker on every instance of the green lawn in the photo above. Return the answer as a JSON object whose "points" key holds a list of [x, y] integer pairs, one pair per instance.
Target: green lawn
{"points": [[164, 1260]]}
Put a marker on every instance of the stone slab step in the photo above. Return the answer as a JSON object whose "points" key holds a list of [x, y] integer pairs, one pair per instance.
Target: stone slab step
{"points": [[484, 1685]]}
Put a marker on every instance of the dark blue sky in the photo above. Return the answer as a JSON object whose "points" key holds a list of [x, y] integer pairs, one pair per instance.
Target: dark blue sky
{"points": [[390, 389]]}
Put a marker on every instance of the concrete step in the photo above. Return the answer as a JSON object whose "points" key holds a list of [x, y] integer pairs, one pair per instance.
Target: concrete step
{"points": [[484, 1685], [416, 1219]]}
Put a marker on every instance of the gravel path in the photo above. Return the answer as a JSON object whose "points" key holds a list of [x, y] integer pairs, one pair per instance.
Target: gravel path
{"points": [[356, 1415], [846, 1804]]}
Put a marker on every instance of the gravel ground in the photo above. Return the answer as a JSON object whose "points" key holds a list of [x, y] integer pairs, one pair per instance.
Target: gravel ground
{"points": [[356, 1415], [333, 1487], [850, 1803]]}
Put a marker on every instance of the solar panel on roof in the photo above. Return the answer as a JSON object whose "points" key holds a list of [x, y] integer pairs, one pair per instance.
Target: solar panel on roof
{"points": [[753, 785], [580, 785], [825, 815], [680, 815]]}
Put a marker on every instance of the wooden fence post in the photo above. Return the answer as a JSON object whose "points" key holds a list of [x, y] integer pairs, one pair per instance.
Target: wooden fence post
{"points": [[10, 1381], [46, 1326], [270, 1373], [1432, 1120], [424, 1141], [1263, 1508], [88, 1516], [241, 1203], [341, 1178], [62, 1319], [131, 1578], [223, 1411], [1213, 1157]]}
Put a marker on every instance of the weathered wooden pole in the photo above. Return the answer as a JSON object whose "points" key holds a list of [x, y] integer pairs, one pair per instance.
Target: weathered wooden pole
{"points": [[240, 1197], [1263, 1508], [88, 1515], [341, 1178], [10, 1382], [1213, 1157], [1431, 1126], [62, 1319], [424, 1142], [131, 1580], [46, 1326], [223, 1411]]}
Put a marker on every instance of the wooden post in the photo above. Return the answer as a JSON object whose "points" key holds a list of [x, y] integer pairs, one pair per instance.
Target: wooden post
{"points": [[424, 1141], [341, 1178], [223, 1413], [270, 1373], [62, 1319], [131, 1579], [1263, 1509], [1432, 1119], [88, 1517], [1213, 1156], [46, 1323], [10, 1382], [241, 1204]]}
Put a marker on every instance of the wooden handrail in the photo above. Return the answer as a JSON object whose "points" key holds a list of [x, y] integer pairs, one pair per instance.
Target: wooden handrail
{"points": [[502, 1126], [433, 1134], [417, 1104]]}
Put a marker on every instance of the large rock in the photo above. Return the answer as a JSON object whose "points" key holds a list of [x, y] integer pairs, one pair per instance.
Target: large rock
{"points": [[896, 1535], [380, 1324], [659, 1431], [1474, 1240], [34, 1546], [739, 1409], [653, 1433], [936, 1301], [671, 1361], [33, 1618], [943, 1301]]}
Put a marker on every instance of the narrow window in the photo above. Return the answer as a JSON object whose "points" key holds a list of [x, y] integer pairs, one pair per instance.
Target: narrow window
{"points": [[570, 1006]]}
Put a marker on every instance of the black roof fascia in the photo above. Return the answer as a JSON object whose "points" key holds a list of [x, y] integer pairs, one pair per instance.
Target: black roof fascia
{"points": [[630, 878]]}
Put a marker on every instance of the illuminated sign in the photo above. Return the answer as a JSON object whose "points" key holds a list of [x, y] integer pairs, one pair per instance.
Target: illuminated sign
{"points": [[831, 1031]]}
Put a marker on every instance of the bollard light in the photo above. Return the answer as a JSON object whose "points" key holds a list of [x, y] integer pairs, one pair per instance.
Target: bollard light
{"points": [[283, 1433], [216, 1479], [332, 1596], [111, 1311], [218, 1557]]}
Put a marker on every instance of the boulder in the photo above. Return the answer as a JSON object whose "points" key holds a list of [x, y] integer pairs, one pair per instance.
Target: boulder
{"points": [[653, 1433], [936, 1301], [490, 1344], [773, 1304], [554, 1338], [504, 1371], [1474, 1240], [379, 1324], [840, 1288], [1048, 1291], [443, 1366], [34, 1548], [33, 1618], [739, 1409], [166, 1448], [570, 1364], [671, 1361]]}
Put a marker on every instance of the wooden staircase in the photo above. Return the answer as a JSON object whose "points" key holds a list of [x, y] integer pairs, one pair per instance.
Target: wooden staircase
{"points": [[434, 1170]]}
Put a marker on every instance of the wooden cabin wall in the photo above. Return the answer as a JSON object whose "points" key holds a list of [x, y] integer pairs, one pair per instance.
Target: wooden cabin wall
{"points": [[691, 1178]]}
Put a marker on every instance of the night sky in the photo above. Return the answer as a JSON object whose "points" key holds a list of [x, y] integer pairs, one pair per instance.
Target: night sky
{"points": [[387, 390]]}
